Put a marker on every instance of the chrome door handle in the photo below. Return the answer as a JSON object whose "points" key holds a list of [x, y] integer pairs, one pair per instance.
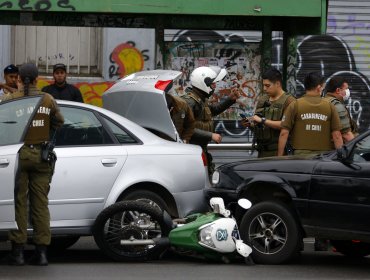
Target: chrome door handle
{"points": [[109, 162], [4, 162]]}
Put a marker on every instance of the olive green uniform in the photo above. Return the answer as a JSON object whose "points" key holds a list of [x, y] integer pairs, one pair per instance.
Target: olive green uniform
{"points": [[203, 113], [267, 138], [34, 174], [342, 112], [345, 119], [311, 120], [182, 117]]}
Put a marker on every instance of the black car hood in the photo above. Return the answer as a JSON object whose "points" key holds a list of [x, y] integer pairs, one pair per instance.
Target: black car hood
{"points": [[289, 164]]}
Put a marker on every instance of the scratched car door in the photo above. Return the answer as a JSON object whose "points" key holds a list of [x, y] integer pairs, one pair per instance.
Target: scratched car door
{"points": [[15, 116]]}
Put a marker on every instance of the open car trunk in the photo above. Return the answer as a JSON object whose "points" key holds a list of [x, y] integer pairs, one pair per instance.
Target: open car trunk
{"points": [[140, 98]]}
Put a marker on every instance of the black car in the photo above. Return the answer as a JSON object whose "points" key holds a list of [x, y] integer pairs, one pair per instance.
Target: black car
{"points": [[326, 196]]}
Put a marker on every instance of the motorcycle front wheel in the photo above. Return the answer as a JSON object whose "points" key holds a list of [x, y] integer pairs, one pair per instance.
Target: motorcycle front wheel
{"points": [[128, 230]]}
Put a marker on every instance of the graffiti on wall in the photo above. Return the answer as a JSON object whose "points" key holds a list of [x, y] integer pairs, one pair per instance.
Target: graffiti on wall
{"points": [[242, 61], [126, 59], [40, 5], [91, 92]]}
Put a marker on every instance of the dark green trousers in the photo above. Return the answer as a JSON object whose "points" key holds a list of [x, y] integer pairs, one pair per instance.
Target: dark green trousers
{"points": [[33, 183]]}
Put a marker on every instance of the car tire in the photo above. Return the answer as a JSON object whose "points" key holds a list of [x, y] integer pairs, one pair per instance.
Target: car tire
{"points": [[149, 197], [272, 231], [351, 249], [133, 221], [58, 244]]}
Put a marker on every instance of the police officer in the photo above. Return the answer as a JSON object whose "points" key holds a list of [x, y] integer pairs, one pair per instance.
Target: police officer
{"points": [[61, 89], [337, 92], [182, 116], [34, 174], [11, 78], [270, 107], [202, 81], [312, 121]]}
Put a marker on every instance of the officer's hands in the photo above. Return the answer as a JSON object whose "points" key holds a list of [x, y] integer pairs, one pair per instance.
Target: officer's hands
{"points": [[245, 122], [256, 119], [216, 137]]}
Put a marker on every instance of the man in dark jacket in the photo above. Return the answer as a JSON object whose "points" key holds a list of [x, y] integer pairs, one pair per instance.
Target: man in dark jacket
{"points": [[61, 89]]}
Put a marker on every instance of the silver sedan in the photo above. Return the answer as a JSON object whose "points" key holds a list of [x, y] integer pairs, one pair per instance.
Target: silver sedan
{"points": [[102, 158]]}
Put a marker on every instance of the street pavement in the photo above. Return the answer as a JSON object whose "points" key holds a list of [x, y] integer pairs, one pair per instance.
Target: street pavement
{"points": [[85, 261]]}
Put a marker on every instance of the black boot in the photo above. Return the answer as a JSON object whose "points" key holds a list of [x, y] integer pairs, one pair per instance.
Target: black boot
{"points": [[16, 256], [39, 257]]}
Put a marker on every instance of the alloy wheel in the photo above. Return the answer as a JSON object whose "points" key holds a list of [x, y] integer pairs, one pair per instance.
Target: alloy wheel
{"points": [[268, 233]]}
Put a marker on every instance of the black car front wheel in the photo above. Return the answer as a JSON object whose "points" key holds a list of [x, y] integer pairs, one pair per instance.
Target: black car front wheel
{"points": [[272, 231]]}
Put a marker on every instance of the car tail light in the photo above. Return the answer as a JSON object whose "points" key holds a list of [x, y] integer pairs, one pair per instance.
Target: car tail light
{"points": [[163, 85], [204, 158]]}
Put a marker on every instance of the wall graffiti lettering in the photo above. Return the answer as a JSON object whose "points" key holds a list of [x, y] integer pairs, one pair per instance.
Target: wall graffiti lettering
{"points": [[41, 5], [126, 59], [65, 4], [6, 4]]}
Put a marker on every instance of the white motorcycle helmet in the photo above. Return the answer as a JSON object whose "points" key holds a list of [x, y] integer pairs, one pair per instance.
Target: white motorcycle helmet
{"points": [[202, 79], [221, 73]]}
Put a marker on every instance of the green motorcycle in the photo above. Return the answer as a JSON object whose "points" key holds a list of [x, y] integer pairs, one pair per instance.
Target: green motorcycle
{"points": [[138, 231]]}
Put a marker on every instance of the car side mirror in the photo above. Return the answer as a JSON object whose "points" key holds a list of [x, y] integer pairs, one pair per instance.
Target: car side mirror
{"points": [[343, 155]]}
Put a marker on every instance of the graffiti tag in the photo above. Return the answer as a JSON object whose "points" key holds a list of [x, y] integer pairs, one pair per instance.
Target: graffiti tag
{"points": [[41, 5], [126, 59], [6, 4]]}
